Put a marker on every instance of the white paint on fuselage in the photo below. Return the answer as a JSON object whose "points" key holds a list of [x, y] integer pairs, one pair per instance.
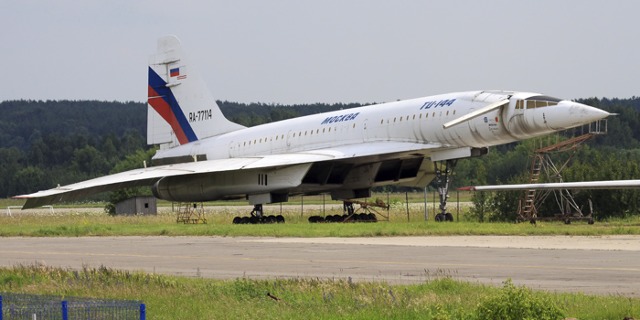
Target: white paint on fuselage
{"points": [[401, 121]]}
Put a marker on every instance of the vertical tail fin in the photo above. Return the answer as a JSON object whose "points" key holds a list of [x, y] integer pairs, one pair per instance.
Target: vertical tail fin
{"points": [[180, 107]]}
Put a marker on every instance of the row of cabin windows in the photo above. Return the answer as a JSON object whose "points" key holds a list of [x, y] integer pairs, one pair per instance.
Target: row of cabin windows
{"points": [[327, 130], [295, 134], [426, 116], [520, 104]]}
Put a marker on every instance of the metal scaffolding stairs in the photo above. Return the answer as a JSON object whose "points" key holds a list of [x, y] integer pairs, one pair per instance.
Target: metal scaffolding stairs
{"points": [[527, 204], [190, 213], [542, 163]]}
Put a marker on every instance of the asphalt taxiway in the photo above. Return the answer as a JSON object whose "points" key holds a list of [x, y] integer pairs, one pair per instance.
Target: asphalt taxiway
{"points": [[593, 265]]}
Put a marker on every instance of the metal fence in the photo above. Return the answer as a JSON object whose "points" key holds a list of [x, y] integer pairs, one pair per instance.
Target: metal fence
{"points": [[15, 306]]}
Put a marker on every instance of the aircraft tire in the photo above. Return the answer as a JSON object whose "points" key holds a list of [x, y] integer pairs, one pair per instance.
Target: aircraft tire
{"points": [[237, 220], [439, 217], [448, 217], [279, 219]]}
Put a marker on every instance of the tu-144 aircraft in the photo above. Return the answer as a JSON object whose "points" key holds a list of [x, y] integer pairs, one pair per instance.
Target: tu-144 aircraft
{"points": [[203, 156]]}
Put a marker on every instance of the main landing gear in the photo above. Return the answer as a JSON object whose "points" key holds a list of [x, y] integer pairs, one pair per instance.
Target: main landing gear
{"points": [[443, 178], [257, 217]]}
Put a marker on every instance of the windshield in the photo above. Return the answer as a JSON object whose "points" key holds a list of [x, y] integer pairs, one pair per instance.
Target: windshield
{"points": [[537, 102]]}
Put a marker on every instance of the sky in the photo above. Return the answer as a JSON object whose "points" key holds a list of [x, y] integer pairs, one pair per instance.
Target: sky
{"points": [[295, 51]]}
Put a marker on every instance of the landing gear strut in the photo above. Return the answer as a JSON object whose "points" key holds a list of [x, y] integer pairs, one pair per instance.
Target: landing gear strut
{"points": [[257, 216], [443, 178]]}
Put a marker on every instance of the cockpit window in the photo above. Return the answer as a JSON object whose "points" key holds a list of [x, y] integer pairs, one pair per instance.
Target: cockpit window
{"points": [[541, 101]]}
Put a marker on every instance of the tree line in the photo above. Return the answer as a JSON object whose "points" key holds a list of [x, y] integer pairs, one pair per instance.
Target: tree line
{"points": [[46, 143]]}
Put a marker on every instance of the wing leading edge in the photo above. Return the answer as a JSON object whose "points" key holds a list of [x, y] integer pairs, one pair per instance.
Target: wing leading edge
{"points": [[606, 184], [148, 176]]}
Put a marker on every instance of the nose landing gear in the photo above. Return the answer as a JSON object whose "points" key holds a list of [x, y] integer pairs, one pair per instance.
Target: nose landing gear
{"points": [[443, 178]]}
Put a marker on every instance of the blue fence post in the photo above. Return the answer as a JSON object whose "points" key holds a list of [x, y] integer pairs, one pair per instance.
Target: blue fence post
{"points": [[143, 312], [65, 313]]}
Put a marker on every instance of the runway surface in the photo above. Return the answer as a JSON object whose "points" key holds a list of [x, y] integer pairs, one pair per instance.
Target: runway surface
{"points": [[594, 265]]}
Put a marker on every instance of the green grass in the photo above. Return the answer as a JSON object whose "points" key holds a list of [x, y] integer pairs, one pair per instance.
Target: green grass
{"points": [[85, 222], [169, 297], [414, 197]]}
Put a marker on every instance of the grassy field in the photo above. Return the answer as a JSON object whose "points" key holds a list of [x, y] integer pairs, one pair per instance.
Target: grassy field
{"points": [[168, 297], [92, 221], [90, 225]]}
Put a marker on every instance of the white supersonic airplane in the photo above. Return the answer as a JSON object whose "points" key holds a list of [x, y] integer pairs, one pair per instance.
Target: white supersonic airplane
{"points": [[203, 156]]}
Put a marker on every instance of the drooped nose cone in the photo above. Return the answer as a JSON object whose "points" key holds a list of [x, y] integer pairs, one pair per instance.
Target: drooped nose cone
{"points": [[544, 117], [569, 114]]}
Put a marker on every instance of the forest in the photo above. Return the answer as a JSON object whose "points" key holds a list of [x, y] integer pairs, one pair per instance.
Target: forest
{"points": [[46, 143]]}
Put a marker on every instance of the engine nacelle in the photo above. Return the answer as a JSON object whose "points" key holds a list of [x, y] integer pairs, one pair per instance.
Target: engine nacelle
{"points": [[226, 184], [181, 189]]}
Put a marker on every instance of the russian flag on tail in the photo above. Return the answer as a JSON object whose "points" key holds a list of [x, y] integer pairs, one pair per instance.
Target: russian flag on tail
{"points": [[174, 72]]}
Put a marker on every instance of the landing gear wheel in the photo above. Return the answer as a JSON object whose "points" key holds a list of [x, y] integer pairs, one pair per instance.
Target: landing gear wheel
{"points": [[448, 217], [257, 217], [591, 221], [443, 171]]}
